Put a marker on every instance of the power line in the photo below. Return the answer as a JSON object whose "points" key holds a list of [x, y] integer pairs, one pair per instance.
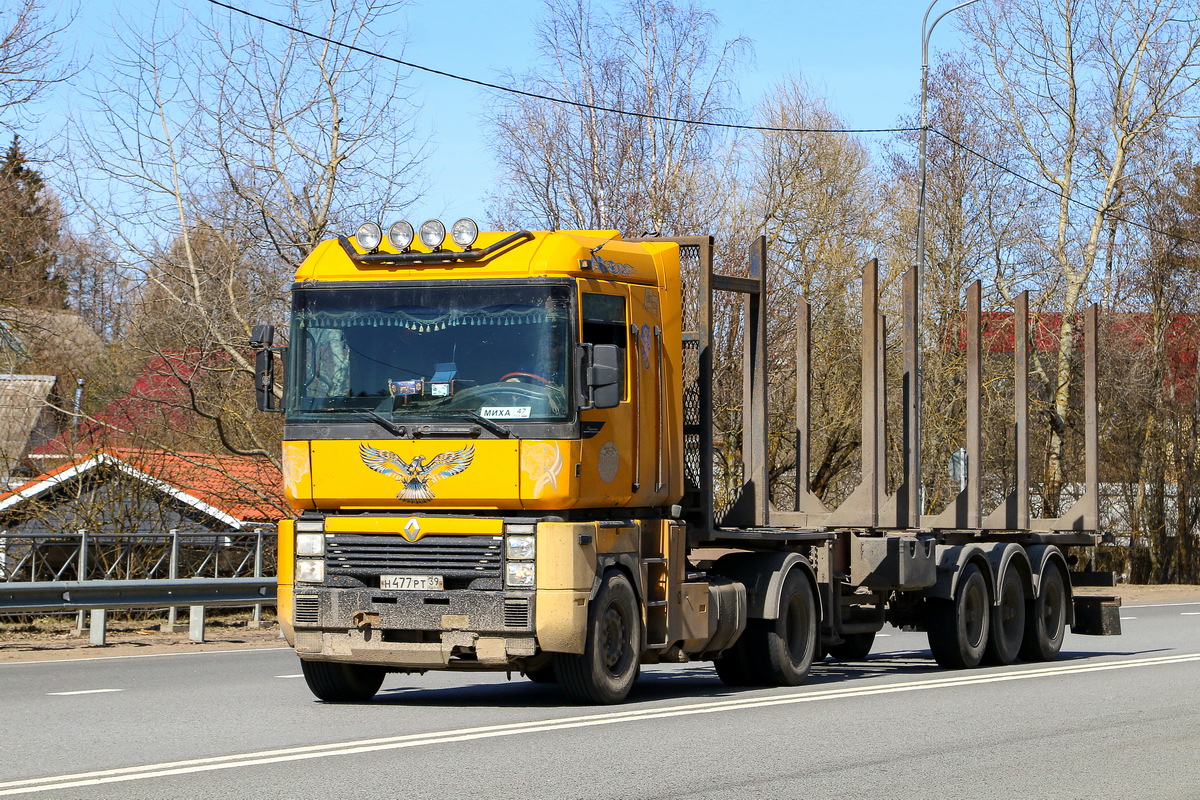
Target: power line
{"points": [[535, 96], [1057, 192], [684, 121]]}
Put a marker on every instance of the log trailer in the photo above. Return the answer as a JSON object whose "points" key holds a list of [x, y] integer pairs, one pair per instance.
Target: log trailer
{"points": [[500, 452]]}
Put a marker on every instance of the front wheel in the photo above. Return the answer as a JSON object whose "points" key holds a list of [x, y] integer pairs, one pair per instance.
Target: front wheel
{"points": [[335, 682], [606, 670]]}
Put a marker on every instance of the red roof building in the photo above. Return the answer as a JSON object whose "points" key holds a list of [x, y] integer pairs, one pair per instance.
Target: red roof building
{"points": [[214, 492]]}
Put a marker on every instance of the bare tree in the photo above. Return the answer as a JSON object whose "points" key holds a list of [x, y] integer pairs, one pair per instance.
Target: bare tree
{"points": [[1084, 88], [816, 197], [225, 158], [570, 166], [30, 53]]}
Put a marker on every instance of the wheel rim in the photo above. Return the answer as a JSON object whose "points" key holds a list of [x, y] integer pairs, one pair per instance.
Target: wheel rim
{"points": [[974, 612], [1052, 607], [1010, 607], [613, 639], [797, 630]]}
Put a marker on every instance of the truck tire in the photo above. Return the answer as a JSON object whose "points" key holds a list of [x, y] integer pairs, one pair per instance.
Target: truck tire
{"points": [[733, 667], [958, 628], [1046, 617], [606, 670], [335, 682], [544, 674], [1008, 619], [854, 646], [789, 642]]}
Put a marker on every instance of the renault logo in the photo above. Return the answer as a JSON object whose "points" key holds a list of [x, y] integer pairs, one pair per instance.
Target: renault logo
{"points": [[412, 530]]}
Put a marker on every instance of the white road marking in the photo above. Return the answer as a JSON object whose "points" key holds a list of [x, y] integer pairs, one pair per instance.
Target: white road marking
{"points": [[1166, 605], [882, 635], [304, 753], [142, 655], [1128, 617], [301, 675], [82, 691], [1189, 613]]}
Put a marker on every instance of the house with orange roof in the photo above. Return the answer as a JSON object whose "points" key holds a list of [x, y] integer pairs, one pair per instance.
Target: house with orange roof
{"points": [[131, 490]]}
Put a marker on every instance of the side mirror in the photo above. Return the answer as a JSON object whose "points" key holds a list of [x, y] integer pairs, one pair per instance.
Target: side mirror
{"points": [[261, 339], [262, 336], [604, 376]]}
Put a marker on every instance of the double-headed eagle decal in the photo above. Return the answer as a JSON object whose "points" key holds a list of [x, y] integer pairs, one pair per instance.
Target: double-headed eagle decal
{"points": [[416, 475]]}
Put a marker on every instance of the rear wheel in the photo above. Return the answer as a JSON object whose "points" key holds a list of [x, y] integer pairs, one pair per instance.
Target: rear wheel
{"points": [[958, 628], [790, 641], [1008, 619], [335, 682], [606, 670], [854, 646], [1046, 617]]}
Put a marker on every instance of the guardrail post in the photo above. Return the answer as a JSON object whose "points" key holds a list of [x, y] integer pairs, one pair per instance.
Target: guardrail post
{"points": [[81, 573], [172, 623], [256, 618], [196, 623], [98, 626]]}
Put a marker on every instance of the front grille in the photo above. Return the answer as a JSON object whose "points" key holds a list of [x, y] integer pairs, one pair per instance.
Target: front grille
{"points": [[516, 613], [460, 560], [307, 609]]}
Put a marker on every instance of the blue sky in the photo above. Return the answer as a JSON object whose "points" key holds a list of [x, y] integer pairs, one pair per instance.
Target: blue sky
{"points": [[863, 55]]}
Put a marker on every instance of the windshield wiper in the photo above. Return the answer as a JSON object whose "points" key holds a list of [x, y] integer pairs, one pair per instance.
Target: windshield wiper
{"points": [[383, 421], [494, 427]]}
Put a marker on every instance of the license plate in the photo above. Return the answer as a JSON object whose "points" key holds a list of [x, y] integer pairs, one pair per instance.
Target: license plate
{"points": [[431, 583]]}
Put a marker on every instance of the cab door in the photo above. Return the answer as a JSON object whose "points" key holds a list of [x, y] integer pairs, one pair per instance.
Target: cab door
{"points": [[610, 453]]}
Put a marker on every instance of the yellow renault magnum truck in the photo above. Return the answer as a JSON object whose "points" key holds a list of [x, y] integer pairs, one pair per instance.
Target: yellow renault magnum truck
{"points": [[487, 448]]}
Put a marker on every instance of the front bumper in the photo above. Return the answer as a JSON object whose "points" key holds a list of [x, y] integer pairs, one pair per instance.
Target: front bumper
{"points": [[467, 629]]}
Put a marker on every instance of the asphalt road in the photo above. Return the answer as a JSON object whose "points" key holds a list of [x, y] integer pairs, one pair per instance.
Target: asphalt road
{"points": [[1117, 717]]}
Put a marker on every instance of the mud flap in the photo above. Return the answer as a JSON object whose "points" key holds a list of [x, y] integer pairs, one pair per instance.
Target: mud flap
{"points": [[1097, 616]]}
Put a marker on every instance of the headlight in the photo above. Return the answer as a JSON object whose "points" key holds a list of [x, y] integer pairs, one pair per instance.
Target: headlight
{"points": [[310, 571], [400, 234], [519, 547], [432, 233], [464, 232], [310, 544], [519, 573], [369, 235]]}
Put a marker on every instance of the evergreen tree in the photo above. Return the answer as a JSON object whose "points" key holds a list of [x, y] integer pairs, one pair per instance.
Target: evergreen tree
{"points": [[29, 235]]}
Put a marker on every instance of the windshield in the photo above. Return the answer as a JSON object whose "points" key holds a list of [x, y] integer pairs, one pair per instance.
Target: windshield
{"points": [[497, 352]]}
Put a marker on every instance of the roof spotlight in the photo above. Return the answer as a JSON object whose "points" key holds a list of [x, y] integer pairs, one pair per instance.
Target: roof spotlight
{"points": [[369, 235], [432, 233], [464, 232], [400, 234]]}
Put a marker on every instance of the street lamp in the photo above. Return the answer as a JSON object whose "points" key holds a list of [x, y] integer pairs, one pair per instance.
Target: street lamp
{"points": [[921, 165], [912, 455]]}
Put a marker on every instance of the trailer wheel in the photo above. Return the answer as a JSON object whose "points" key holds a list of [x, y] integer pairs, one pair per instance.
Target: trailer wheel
{"points": [[1008, 619], [854, 646], [789, 643], [606, 670], [958, 628], [335, 682], [1046, 617]]}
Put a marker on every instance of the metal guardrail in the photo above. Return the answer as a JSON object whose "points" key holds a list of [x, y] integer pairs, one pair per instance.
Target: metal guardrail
{"points": [[47, 596], [43, 597]]}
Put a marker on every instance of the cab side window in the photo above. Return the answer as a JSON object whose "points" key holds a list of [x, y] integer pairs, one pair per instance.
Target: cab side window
{"points": [[604, 323]]}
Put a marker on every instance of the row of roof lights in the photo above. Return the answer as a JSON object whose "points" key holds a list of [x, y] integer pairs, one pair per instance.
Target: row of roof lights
{"points": [[432, 233]]}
